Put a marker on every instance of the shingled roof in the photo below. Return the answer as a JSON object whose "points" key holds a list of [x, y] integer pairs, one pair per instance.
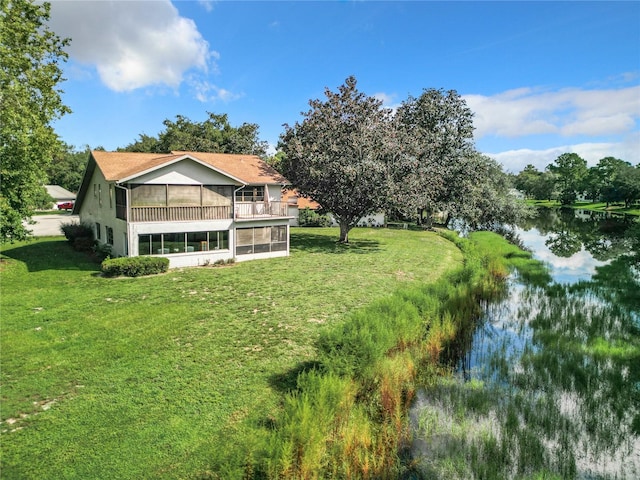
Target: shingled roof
{"points": [[125, 166], [249, 169]]}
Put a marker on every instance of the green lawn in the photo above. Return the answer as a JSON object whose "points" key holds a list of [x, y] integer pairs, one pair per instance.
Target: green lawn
{"points": [[145, 377]]}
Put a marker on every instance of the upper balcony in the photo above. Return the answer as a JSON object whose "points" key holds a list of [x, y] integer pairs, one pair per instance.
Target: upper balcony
{"points": [[241, 211]]}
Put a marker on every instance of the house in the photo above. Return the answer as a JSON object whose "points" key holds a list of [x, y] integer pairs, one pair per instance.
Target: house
{"points": [[193, 208], [295, 203], [61, 196]]}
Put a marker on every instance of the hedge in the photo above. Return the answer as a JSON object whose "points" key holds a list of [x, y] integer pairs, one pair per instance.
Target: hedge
{"points": [[134, 266]]}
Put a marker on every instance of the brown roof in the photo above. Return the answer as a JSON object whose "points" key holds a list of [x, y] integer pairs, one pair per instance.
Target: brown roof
{"points": [[293, 198], [249, 169]]}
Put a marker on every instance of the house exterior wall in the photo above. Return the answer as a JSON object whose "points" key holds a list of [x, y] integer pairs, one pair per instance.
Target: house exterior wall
{"points": [[99, 209], [185, 172]]}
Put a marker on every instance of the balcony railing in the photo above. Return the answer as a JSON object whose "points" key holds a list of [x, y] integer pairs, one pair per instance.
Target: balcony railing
{"points": [[248, 210], [242, 211], [179, 214]]}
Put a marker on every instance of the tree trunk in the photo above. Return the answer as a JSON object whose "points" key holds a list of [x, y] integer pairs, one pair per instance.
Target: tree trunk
{"points": [[344, 232]]}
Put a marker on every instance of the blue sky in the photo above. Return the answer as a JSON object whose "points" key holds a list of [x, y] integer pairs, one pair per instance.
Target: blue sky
{"points": [[542, 78]]}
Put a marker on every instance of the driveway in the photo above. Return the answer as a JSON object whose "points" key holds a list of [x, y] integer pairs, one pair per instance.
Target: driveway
{"points": [[49, 225]]}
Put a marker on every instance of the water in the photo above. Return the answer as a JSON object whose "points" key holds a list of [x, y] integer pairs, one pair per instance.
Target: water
{"points": [[549, 386]]}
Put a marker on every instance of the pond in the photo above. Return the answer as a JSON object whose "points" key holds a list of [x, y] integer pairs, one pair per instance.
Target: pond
{"points": [[548, 385]]}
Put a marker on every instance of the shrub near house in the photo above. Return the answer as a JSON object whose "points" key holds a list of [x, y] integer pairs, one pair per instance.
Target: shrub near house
{"points": [[134, 266]]}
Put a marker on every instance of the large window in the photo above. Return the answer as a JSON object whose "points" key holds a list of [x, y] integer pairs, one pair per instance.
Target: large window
{"points": [[250, 194], [167, 243], [261, 239]]}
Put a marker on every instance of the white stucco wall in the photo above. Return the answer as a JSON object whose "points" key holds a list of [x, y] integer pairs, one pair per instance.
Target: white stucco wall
{"points": [[99, 207], [185, 172]]}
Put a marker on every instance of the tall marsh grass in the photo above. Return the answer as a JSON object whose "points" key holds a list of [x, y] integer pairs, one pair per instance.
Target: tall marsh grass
{"points": [[348, 418]]}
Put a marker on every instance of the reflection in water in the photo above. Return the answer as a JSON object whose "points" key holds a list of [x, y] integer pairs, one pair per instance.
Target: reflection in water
{"points": [[550, 385]]}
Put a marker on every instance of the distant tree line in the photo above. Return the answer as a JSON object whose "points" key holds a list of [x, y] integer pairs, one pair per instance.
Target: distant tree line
{"points": [[566, 179]]}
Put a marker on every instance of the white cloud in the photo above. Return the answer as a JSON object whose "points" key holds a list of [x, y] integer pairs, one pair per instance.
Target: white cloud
{"points": [[132, 44], [205, 91], [515, 160], [567, 112], [388, 100], [206, 4]]}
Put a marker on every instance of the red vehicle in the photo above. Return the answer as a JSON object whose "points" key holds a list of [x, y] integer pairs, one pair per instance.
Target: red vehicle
{"points": [[65, 206]]}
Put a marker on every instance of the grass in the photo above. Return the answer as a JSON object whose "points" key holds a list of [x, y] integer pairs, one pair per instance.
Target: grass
{"points": [[595, 206], [528, 269], [148, 377]]}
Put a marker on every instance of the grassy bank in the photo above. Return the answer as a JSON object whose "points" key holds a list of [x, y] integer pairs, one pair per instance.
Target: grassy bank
{"points": [[347, 418], [594, 206], [154, 377]]}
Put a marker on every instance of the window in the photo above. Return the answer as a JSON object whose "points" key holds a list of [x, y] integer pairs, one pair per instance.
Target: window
{"points": [[109, 231], [250, 194], [261, 239], [173, 242], [278, 238], [121, 203], [168, 243], [98, 231], [110, 196], [100, 194]]}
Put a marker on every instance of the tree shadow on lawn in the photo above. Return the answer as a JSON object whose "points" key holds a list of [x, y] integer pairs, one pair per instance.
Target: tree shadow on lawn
{"points": [[49, 255], [315, 243], [287, 382]]}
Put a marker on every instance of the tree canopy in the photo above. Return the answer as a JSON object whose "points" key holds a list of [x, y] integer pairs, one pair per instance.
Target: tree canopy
{"points": [[339, 154], [215, 134], [67, 167], [571, 171], [355, 157], [435, 138], [30, 72]]}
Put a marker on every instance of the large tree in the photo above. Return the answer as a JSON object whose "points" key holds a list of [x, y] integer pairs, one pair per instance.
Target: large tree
{"points": [[30, 100], [215, 134], [571, 171], [435, 166], [339, 154], [600, 179]]}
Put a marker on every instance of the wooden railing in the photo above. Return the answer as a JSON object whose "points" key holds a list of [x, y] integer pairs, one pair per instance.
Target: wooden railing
{"points": [[243, 210], [179, 214]]}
